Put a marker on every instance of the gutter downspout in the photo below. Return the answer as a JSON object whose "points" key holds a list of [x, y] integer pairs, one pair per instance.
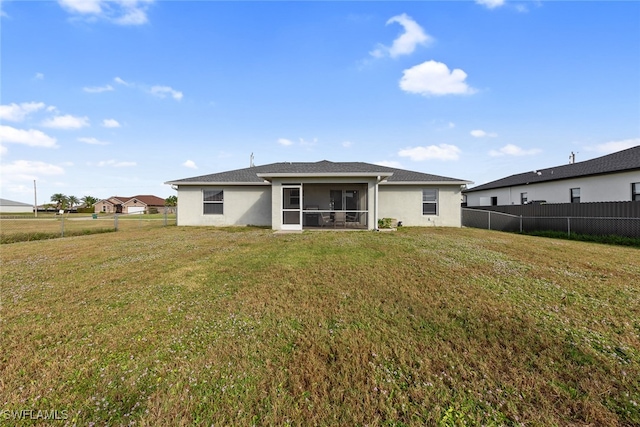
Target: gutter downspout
{"points": [[375, 208]]}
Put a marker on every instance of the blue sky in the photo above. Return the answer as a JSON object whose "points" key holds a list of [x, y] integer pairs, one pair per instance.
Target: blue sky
{"points": [[107, 98]]}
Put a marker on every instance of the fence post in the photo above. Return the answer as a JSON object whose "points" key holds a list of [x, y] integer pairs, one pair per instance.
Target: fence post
{"points": [[520, 223], [165, 216], [62, 226], [115, 221], [489, 219], [568, 227]]}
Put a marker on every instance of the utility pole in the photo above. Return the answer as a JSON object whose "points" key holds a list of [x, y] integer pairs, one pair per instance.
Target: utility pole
{"points": [[35, 199]]}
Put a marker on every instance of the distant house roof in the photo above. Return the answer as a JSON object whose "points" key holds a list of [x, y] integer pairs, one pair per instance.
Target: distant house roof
{"points": [[148, 200], [261, 174], [621, 161], [6, 202]]}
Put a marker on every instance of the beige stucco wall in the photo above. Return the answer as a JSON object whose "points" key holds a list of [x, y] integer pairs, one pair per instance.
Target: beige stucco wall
{"points": [[243, 205], [98, 207], [404, 203]]}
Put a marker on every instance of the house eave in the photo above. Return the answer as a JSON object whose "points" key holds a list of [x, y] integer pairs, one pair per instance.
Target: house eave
{"points": [[214, 183], [269, 176], [426, 182]]}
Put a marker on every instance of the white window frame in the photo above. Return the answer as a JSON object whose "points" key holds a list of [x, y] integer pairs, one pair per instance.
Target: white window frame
{"points": [[571, 196], [426, 200], [524, 198], [635, 191], [205, 203]]}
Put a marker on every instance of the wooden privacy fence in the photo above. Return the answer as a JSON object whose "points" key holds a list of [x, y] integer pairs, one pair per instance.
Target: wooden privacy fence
{"points": [[604, 225]]}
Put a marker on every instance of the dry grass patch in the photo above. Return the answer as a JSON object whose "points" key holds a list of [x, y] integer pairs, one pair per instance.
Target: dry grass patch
{"points": [[184, 326]]}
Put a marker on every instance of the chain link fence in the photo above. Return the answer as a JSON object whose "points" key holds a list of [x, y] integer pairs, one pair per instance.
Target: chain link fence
{"points": [[602, 226], [46, 226]]}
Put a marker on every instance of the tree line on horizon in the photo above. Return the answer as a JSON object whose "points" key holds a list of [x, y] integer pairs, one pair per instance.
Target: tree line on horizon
{"points": [[63, 201]]}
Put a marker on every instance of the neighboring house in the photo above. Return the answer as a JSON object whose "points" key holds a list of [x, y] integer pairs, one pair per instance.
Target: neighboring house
{"points": [[611, 178], [293, 196], [9, 206], [129, 205]]}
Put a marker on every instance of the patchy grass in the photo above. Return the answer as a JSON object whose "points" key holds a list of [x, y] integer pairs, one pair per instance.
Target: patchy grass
{"points": [[606, 239], [182, 326], [48, 226]]}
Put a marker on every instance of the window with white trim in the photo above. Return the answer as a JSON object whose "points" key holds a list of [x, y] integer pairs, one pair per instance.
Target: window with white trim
{"points": [[524, 198], [212, 202], [635, 191], [429, 201]]}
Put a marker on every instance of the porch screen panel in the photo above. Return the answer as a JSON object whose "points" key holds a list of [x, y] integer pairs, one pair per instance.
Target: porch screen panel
{"points": [[291, 217], [291, 198], [291, 206]]}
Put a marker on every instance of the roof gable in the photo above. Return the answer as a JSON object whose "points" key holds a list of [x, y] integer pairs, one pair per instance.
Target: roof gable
{"points": [[254, 175], [621, 161]]}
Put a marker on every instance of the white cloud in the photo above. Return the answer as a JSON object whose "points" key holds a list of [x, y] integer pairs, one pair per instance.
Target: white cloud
{"points": [[491, 4], [389, 164], [98, 89], [163, 91], [66, 122], [479, 133], [285, 142], [190, 164], [120, 81], [347, 144], [31, 137], [115, 164], [21, 170], [39, 76], [513, 150], [3, 150], [431, 152], [613, 146], [121, 12], [435, 78], [132, 16], [92, 141], [82, 6], [110, 123], [18, 112], [406, 42]]}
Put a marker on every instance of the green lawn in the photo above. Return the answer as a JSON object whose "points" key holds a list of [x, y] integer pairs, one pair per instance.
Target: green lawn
{"points": [[433, 326]]}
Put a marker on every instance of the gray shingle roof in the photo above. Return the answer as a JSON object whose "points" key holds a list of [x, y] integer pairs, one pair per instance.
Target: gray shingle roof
{"points": [[250, 175], [7, 202], [625, 160]]}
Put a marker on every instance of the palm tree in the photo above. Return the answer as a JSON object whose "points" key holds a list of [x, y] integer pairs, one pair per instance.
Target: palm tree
{"points": [[72, 200], [89, 200], [60, 200], [171, 201]]}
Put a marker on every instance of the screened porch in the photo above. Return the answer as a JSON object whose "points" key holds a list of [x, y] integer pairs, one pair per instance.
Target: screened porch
{"points": [[326, 206]]}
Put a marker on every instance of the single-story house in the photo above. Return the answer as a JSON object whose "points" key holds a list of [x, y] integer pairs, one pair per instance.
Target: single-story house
{"points": [[611, 178], [296, 196], [10, 206], [129, 205]]}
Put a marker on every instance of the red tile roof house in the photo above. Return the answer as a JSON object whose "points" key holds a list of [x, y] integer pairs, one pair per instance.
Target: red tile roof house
{"points": [[297, 196], [129, 205]]}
